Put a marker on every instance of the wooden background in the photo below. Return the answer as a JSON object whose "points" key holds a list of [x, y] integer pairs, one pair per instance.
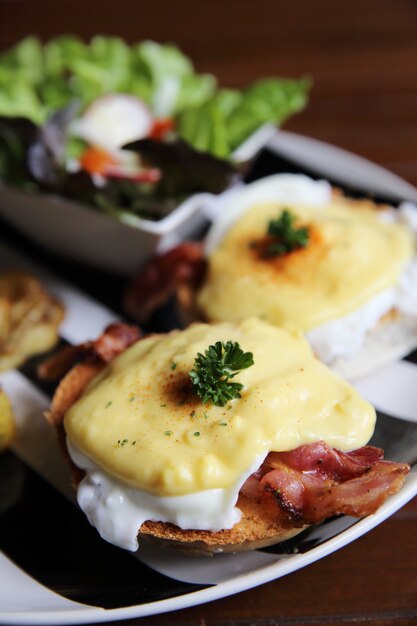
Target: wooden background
{"points": [[362, 56]]}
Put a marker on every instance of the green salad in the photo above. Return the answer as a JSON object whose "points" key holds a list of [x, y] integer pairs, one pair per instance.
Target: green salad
{"points": [[126, 127]]}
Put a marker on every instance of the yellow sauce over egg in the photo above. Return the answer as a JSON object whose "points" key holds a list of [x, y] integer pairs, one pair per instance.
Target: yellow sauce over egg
{"points": [[351, 256], [140, 420]]}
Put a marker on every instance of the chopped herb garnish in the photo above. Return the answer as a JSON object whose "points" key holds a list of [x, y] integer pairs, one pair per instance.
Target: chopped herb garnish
{"points": [[212, 372], [193, 414], [168, 432], [133, 442], [205, 415], [222, 423], [132, 398], [196, 434], [108, 404], [173, 365], [162, 405], [287, 237], [122, 442]]}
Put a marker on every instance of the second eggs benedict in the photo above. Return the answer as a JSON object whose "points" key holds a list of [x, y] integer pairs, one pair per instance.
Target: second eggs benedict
{"points": [[290, 250]]}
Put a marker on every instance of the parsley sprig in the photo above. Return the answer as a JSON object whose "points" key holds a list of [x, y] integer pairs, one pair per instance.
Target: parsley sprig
{"points": [[287, 237], [213, 371]]}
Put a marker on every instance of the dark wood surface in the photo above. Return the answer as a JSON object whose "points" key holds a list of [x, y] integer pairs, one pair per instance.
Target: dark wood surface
{"points": [[362, 56]]}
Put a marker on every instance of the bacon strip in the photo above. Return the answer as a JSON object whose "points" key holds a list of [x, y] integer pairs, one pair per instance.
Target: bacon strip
{"points": [[159, 280], [322, 460], [315, 481], [116, 338]]}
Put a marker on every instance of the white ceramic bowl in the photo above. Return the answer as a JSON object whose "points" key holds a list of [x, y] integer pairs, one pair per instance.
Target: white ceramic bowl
{"points": [[84, 234]]}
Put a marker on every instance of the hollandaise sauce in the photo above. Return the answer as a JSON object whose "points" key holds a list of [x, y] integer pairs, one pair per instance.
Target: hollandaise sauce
{"points": [[141, 423], [350, 257]]}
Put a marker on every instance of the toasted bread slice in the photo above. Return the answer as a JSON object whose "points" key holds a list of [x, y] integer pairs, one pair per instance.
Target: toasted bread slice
{"points": [[260, 526]]}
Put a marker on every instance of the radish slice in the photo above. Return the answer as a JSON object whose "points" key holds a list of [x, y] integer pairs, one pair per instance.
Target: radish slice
{"points": [[114, 120], [152, 175]]}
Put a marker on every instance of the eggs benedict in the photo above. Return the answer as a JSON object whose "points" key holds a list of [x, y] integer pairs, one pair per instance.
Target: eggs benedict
{"points": [[292, 251], [219, 437]]}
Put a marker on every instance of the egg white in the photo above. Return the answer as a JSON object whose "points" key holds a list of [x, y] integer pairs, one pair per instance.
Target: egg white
{"points": [[345, 337], [118, 510]]}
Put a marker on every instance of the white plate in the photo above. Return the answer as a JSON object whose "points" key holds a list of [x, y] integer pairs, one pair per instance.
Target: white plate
{"points": [[24, 601]]}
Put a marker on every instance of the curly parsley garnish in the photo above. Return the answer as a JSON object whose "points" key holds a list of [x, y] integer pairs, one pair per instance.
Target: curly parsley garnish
{"points": [[213, 371], [286, 236]]}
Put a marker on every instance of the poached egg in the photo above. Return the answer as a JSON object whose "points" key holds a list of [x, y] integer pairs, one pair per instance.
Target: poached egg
{"points": [[359, 266], [152, 450]]}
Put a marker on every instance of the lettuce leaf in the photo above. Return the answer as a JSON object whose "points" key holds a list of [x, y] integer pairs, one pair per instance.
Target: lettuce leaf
{"points": [[268, 100], [39, 82], [36, 80], [184, 170], [230, 117], [52, 75], [16, 136], [174, 84]]}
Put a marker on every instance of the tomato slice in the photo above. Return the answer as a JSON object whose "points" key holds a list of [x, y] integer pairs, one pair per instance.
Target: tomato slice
{"points": [[96, 160], [161, 128]]}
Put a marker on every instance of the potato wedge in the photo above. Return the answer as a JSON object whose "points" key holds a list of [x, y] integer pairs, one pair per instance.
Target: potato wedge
{"points": [[29, 318], [7, 421]]}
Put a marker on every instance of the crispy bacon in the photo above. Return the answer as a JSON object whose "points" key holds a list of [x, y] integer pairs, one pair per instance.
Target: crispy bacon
{"points": [[315, 481], [116, 338], [159, 280], [321, 460]]}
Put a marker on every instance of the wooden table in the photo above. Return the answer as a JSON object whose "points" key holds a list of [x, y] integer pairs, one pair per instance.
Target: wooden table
{"points": [[363, 58]]}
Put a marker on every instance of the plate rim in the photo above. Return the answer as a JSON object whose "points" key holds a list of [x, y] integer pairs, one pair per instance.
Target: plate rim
{"points": [[240, 583]]}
